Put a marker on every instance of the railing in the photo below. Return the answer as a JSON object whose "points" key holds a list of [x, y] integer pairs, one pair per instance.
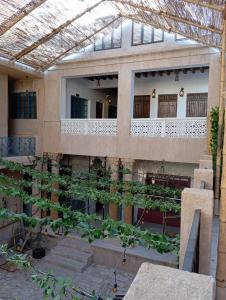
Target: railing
{"points": [[106, 127], [191, 258], [17, 146], [170, 127]]}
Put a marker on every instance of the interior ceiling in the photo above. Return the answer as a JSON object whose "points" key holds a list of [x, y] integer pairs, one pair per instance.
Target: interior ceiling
{"points": [[39, 33]]}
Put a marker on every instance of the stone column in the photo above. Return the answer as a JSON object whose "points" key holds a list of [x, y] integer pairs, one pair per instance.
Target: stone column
{"points": [[55, 159], [128, 210], [3, 105], [113, 164], [36, 193]]}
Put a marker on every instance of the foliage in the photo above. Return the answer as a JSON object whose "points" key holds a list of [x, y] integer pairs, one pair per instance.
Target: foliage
{"points": [[214, 134]]}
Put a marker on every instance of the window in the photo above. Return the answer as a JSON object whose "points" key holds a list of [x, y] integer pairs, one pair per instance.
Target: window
{"points": [[23, 105], [141, 106], [144, 34], [167, 106], [110, 41], [79, 108], [197, 105]]}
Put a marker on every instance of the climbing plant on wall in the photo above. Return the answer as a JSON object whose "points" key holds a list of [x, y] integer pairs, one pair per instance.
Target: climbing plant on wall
{"points": [[84, 185]]}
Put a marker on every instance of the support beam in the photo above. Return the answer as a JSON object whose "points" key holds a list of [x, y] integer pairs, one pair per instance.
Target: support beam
{"points": [[167, 15], [206, 5], [55, 31], [19, 15], [80, 43]]}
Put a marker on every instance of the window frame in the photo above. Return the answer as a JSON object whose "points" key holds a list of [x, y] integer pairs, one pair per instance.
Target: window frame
{"points": [[142, 35], [112, 40], [23, 105]]}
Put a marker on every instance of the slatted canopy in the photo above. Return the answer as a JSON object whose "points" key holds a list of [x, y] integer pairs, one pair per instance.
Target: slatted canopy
{"points": [[38, 33]]}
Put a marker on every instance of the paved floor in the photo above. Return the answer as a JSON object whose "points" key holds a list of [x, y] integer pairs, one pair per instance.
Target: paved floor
{"points": [[18, 285]]}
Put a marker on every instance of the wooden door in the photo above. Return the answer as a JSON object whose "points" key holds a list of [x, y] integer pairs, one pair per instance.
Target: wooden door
{"points": [[167, 106], [197, 105], [99, 109], [141, 106]]}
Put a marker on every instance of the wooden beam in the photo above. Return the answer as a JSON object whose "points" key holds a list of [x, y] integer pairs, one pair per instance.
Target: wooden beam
{"points": [[52, 62], [55, 31], [151, 23], [167, 15], [19, 15], [206, 5]]}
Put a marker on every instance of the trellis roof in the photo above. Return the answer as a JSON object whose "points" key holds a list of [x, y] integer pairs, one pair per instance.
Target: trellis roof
{"points": [[39, 33]]}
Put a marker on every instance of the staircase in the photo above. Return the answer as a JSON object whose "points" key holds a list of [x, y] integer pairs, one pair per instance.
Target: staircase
{"points": [[71, 255]]}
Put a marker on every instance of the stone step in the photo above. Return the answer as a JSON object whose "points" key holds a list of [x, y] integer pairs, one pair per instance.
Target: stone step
{"points": [[58, 271], [75, 244], [71, 253], [65, 263]]}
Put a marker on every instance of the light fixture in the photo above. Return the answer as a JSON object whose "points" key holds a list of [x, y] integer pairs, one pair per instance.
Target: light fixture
{"points": [[115, 287], [153, 95], [181, 93], [107, 99], [124, 257]]}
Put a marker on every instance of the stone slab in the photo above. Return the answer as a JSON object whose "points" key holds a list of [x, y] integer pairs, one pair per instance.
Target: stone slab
{"points": [[154, 282]]}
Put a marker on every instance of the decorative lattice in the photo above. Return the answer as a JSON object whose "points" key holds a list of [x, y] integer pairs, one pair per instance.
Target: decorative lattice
{"points": [[107, 127], [178, 128]]}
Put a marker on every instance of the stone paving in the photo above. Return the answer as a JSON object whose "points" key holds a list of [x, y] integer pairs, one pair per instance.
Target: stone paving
{"points": [[18, 285]]}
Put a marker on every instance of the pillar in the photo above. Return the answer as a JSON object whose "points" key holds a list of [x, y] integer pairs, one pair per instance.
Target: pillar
{"points": [[55, 160], [113, 164], [191, 200], [36, 192], [128, 210], [4, 105]]}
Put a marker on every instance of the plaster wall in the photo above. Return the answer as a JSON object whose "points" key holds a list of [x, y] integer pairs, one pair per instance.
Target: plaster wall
{"points": [[3, 105], [123, 145], [29, 127]]}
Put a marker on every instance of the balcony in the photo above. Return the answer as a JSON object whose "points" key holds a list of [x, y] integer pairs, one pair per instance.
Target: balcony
{"points": [[170, 127], [98, 127], [17, 146]]}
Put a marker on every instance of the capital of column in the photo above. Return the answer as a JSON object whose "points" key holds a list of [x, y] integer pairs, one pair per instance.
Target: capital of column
{"points": [[53, 156], [128, 162]]}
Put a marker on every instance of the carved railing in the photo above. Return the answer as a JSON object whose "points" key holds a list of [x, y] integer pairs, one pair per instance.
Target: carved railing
{"points": [[17, 146], [100, 127], [170, 127]]}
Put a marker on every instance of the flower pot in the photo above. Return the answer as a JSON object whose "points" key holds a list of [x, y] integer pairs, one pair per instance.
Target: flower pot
{"points": [[38, 253]]}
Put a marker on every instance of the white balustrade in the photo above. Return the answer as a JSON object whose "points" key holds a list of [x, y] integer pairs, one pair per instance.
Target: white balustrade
{"points": [[101, 127], [170, 127]]}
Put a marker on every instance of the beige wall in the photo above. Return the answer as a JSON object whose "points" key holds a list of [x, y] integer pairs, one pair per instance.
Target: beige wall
{"points": [[29, 127], [3, 105], [123, 145]]}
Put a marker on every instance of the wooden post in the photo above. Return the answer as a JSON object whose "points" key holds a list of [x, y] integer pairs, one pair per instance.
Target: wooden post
{"points": [[128, 210], [221, 112], [113, 163], [221, 265]]}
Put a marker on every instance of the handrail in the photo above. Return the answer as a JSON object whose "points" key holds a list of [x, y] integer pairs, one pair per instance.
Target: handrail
{"points": [[191, 258]]}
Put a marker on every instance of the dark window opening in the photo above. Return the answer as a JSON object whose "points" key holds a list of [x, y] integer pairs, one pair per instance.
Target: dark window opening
{"points": [[23, 105], [79, 107]]}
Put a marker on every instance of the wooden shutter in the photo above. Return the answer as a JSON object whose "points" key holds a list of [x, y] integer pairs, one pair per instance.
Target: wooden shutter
{"points": [[99, 110], [197, 105], [167, 106], [141, 106]]}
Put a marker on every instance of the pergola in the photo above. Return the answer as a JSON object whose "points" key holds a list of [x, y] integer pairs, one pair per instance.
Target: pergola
{"points": [[39, 33]]}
